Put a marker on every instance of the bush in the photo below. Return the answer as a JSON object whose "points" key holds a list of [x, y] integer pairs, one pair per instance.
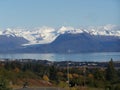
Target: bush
{"points": [[4, 84], [117, 87]]}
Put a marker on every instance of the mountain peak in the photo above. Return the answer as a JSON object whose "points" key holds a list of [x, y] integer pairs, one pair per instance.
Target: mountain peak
{"points": [[45, 34]]}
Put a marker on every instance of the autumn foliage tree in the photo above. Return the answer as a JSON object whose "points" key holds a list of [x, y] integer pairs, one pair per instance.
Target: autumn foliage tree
{"points": [[45, 77]]}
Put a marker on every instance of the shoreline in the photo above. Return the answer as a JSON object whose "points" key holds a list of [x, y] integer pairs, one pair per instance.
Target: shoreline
{"points": [[75, 64]]}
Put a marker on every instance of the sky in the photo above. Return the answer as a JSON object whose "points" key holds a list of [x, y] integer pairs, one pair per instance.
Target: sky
{"points": [[56, 13]]}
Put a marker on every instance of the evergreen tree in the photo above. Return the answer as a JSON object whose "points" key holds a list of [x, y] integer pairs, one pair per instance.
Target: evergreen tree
{"points": [[53, 73], [111, 72]]}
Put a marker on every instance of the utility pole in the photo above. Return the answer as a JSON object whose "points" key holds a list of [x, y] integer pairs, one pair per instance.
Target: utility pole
{"points": [[84, 72], [68, 73]]}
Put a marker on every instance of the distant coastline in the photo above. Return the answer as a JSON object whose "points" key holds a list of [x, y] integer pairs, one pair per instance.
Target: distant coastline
{"points": [[63, 64]]}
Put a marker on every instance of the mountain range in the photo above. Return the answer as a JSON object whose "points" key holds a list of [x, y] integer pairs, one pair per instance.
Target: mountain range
{"points": [[61, 40]]}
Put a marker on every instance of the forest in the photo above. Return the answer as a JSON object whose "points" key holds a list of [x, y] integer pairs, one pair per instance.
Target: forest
{"points": [[15, 74]]}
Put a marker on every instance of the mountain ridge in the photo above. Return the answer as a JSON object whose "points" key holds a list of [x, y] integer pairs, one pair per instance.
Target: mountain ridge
{"points": [[75, 43], [64, 40], [46, 35]]}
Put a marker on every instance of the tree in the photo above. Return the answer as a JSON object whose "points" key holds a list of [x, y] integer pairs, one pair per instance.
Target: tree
{"points": [[17, 70], [45, 77], [98, 74], [90, 79], [53, 73], [75, 75], [111, 72]]}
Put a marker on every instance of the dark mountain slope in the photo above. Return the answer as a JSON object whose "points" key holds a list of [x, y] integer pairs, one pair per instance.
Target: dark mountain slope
{"points": [[77, 43], [8, 43]]}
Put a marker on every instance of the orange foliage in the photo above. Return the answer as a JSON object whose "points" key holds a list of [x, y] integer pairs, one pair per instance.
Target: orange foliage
{"points": [[17, 70]]}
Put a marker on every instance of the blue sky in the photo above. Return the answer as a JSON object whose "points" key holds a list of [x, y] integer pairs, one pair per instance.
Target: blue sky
{"points": [[56, 13]]}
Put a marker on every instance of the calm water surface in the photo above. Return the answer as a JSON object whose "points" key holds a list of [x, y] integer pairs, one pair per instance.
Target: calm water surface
{"points": [[106, 56]]}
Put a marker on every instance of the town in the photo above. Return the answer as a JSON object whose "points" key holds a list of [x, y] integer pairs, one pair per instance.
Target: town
{"points": [[63, 64]]}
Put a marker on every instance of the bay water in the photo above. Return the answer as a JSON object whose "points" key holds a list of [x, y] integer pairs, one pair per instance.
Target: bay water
{"points": [[99, 57]]}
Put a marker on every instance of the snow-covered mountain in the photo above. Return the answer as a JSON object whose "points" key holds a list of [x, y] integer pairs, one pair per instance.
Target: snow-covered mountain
{"points": [[36, 36], [46, 35]]}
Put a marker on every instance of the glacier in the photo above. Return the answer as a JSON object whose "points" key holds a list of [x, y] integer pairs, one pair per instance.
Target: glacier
{"points": [[44, 35]]}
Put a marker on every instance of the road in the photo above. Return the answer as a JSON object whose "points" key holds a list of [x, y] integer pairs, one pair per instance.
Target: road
{"points": [[41, 88]]}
